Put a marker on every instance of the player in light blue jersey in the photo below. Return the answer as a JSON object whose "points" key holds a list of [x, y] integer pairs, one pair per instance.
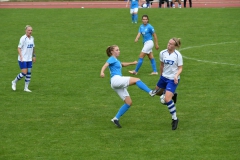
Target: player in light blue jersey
{"points": [[120, 83], [133, 10], [26, 55], [147, 31], [170, 70]]}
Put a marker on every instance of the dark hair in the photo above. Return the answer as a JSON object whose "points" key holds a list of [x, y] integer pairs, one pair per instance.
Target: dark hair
{"points": [[145, 16], [110, 49], [177, 41]]}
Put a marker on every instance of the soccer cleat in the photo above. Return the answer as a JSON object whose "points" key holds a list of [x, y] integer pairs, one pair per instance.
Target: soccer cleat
{"points": [[133, 72], [174, 98], [116, 122], [13, 86], [154, 92], [174, 124], [154, 73], [27, 90]]}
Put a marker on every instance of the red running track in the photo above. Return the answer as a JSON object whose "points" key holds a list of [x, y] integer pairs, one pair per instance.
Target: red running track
{"points": [[114, 4]]}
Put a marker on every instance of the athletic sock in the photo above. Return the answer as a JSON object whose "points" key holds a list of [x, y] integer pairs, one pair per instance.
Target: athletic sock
{"points": [[19, 77], [139, 64], [122, 110], [143, 86], [172, 109], [153, 63], [27, 79]]}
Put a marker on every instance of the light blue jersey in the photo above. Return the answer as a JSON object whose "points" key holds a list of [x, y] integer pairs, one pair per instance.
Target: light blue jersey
{"points": [[146, 31], [115, 66], [134, 4]]}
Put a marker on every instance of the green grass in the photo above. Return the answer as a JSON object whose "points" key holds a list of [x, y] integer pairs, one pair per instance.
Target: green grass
{"points": [[67, 116]]}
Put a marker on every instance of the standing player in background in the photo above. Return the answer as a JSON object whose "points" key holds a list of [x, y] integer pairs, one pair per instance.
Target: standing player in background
{"points": [[190, 3], [147, 31], [120, 83], [26, 55], [133, 10], [170, 70], [179, 3]]}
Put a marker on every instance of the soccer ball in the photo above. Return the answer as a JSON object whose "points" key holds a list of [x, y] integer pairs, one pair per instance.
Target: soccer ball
{"points": [[162, 98], [144, 5]]}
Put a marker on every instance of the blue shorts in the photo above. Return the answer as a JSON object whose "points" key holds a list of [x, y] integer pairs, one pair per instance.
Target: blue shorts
{"points": [[167, 84], [24, 65]]}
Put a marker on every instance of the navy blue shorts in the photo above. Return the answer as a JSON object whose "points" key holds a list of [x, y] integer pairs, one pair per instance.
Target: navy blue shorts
{"points": [[167, 84], [24, 65]]}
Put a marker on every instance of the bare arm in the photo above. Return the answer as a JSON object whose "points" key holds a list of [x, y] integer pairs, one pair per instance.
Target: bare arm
{"points": [[103, 69], [34, 56], [161, 68], [178, 73], [20, 54], [138, 36], [156, 41], [124, 64]]}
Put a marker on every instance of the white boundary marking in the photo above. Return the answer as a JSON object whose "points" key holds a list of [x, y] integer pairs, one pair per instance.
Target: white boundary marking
{"points": [[214, 44]]}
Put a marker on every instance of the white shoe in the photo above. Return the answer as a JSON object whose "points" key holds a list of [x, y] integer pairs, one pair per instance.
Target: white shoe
{"points": [[27, 90], [133, 72], [13, 86], [154, 73]]}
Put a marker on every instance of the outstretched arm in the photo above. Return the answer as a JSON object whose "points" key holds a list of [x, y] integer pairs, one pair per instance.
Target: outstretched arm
{"points": [[103, 69], [125, 64]]}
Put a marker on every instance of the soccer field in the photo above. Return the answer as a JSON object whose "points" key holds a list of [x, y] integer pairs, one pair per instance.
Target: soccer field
{"points": [[67, 115]]}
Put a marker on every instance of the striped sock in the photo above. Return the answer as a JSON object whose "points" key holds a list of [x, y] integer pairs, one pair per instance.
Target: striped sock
{"points": [[19, 77], [27, 79], [172, 109]]}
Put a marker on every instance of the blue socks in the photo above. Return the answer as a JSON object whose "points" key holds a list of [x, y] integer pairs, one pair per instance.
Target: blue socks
{"points": [[122, 110], [143, 86], [139, 64], [172, 109], [153, 63]]}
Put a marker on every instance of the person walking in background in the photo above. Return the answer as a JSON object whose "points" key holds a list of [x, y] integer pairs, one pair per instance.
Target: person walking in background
{"points": [[120, 83], [190, 3], [26, 55], [162, 2], [179, 3], [147, 31], [170, 70], [133, 10]]}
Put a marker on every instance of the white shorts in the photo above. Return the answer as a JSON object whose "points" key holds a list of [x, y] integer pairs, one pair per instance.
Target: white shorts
{"points": [[134, 10], [120, 84], [147, 47]]}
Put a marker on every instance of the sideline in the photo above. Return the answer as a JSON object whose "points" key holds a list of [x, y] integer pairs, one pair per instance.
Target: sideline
{"points": [[205, 61]]}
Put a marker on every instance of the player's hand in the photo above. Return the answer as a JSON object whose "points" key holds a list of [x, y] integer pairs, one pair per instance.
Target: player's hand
{"points": [[176, 80], [135, 62], [157, 47], [34, 59], [102, 75], [136, 40]]}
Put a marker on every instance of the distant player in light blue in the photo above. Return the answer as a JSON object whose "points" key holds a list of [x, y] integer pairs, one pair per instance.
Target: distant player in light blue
{"points": [[147, 31], [120, 83], [133, 10]]}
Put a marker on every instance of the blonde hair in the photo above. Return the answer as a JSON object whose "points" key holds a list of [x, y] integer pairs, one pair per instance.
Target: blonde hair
{"points": [[110, 49], [177, 42], [27, 26]]}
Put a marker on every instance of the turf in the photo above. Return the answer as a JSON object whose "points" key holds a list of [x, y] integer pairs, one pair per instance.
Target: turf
{"points": [[67, 116]]}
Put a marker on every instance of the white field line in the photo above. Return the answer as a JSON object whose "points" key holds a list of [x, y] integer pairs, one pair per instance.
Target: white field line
{"points": [[205, 61]]}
